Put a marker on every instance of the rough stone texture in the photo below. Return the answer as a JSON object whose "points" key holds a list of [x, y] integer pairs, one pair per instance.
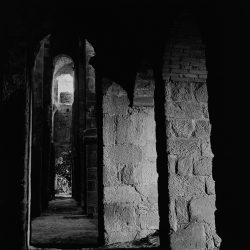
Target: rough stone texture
{"points": [[66, 97], [182, 127], [62, 123], [181, 91], [129, 172], [203, 166], [210, 185], [200, 92], [182, 215], [190, 183], [90, 89], [191, 238], [121, 194], [191, 110], [172, 160], [120, 222], [185, 166], [202, 128], [183, 147], [202, 209], [186, 186]]}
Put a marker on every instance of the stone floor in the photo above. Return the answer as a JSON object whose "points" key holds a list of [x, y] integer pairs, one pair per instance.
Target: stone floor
{"points": [[64, 225]]}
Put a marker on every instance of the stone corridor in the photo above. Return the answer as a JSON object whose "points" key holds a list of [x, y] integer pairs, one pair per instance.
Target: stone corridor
{"points": [[63, 224]]}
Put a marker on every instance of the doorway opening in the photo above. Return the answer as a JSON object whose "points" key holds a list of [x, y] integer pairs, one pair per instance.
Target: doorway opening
{"points": [[62, 100]]}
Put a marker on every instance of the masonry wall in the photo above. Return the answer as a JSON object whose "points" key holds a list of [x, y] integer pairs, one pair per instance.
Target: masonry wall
{"points": [[90, 89], [129, 171], [191, 185], [62, 130]]}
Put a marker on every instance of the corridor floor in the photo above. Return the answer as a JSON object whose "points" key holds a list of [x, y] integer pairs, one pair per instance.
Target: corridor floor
{"points": [[64, 225]]}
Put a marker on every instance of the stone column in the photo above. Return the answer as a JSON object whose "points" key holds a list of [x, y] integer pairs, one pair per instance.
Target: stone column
{"points": [[190, 181], [129, 171]]}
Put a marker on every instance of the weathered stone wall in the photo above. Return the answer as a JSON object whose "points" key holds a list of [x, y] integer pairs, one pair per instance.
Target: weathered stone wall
{"points": [[129, 174], [90, 89], [66, 97], [190, 181], [62, 124]]}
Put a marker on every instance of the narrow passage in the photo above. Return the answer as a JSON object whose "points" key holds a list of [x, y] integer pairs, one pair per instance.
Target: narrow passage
{"points": [[64, 225]]}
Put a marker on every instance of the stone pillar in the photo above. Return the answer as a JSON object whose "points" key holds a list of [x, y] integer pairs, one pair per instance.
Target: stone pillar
{"points": [[191, 185], [129, 171], [37, 132]]}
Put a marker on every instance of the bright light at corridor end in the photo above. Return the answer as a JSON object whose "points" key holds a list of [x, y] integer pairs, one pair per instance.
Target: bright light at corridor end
{"points": [[65, 83]]}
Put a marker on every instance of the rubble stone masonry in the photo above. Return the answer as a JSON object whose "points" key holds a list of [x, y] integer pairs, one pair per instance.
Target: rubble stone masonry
{"points": [[129, 174], [190, 181]]}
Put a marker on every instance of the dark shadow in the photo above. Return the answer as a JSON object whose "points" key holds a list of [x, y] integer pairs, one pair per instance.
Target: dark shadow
{"points": [[12, 170], [162, 157]]}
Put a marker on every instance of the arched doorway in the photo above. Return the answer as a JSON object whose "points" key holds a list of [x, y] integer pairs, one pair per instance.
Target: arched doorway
{"points": [[63, 168]]}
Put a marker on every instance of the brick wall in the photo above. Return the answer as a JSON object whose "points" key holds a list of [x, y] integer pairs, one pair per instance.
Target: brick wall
{"points": [[129, 174], [191, 185]]}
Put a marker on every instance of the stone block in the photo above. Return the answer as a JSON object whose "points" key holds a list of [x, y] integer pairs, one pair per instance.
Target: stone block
{"points": [[123, 154], [121, 194], [121, 105], [108, 130], [203, 166], [192, 237], [127, 174], [172, 215], [110, 176], [202, 209], [188, 110], [182, 127], [120, 236], [119, 223], [148, 124], [204, 108], [210, 185], [206, 148], [183, 147], [66, 97], [217, 240], [141, 126], [148, 192], [135, 126], [115, 105], [185, 166], [169, 130], [181, 210], [146, 173], [187, 186], [202, 128], [149, 151], [122, 125], [149, 220], [172, 161]]}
